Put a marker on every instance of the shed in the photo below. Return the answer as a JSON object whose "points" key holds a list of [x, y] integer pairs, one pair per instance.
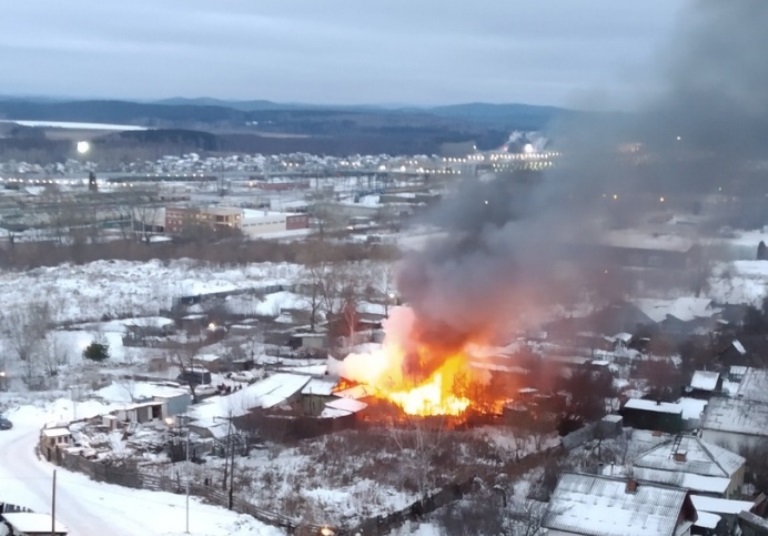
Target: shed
{"points": [[33, 524], [650, 415], [704, 383]]}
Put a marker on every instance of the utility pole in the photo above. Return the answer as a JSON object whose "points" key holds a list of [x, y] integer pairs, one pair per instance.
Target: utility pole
{"points": [[187, 479], [53, 505]]}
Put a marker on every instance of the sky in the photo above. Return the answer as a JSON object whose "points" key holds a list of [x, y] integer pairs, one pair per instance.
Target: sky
{"points": [[422, 52]]}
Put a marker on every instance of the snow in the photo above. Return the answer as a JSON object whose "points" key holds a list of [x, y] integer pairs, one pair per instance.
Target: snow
{"points": [[707, 520], [693, 408], [685, 309], [89, 292], [319, 386], [73, 125], [650, 405], [705, 380], [267, 393], [128, 390], [349, 405], [739, 282], [34, 522], [588, 504], [86, 507], [739, 347], [719, 506]]}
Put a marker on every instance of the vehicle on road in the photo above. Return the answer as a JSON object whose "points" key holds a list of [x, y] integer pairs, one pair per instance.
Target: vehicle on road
{"points": [[5, 424]]}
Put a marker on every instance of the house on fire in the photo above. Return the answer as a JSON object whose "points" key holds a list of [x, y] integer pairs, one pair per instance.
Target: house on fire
{"points": [[592, 505]]}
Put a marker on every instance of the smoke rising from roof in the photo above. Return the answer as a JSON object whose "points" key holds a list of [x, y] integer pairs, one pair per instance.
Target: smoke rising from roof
{"points": [[500, 267]]}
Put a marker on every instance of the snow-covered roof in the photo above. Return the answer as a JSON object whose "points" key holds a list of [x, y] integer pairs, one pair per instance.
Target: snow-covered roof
{"points": [[705, 380], [736, 416], [357, 392], [738, 370], [696, 483], [684, 309], [601, 506], [31, 523], [701, 458], [707, 520], [346, 404], [754, 385], [650, 405], [639, 239], [320, 386], [56, 432], [267, 393], [720, 506], [623, 337], [693, 408]]}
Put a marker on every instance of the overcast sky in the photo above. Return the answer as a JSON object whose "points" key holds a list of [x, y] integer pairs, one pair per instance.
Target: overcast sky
{"points": [[561, 52]]}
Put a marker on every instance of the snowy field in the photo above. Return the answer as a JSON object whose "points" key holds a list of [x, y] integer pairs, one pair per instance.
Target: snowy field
{"points": [[81, 293]]}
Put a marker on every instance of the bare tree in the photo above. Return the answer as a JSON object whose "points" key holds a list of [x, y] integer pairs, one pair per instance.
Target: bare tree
{"points": [[184, 356], [26, 328], [313, 275], [525, 518]]}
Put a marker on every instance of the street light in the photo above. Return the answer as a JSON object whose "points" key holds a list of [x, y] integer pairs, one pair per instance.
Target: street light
{"points": [[83, 147]]}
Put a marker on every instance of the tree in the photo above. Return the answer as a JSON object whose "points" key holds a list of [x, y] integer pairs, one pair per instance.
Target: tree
{"points": [[315, 265], [26, 328], [184, 356], [96, 351]]}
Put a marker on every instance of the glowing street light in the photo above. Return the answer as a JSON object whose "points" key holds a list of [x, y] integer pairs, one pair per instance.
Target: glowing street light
{"points": [[83, 147]]}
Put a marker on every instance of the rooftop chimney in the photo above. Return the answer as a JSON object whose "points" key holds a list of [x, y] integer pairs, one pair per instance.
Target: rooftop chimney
{"points": [[631, 485], [680, 456]]}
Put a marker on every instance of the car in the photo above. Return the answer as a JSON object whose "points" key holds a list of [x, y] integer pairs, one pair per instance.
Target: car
{"points": [[5, 424]]}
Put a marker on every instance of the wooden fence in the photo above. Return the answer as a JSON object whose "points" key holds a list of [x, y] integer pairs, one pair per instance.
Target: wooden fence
{"points": [[374, 526]]}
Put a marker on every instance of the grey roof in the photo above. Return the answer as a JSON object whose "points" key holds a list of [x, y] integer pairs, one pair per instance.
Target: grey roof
{"points": [[737, 416], [600, 506], [701, 458]]}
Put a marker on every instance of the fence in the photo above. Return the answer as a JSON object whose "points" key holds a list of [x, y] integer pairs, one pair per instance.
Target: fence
{"points": [[383, 525], [375, 526]]}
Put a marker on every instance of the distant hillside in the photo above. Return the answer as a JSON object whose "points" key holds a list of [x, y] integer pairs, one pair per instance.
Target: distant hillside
{"points": [[268, 127]]}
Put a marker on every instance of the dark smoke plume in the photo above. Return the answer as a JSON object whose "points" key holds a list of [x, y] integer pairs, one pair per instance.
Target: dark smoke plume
{"points": [[704, 130]]}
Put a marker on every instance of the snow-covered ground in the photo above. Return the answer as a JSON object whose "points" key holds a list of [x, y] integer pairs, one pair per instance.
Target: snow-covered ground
{"points": [[739, 282], [88, 292], [86, 507]]}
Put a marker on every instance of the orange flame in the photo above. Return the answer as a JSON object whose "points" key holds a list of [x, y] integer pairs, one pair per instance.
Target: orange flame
{"points": [[440, 392]]}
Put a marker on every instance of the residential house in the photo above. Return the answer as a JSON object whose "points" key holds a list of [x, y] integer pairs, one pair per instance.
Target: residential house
{"points": [[743, 418], [704, 384], [652, 415], [592, 505], [735, 422], [692, 463], [727, 510]]}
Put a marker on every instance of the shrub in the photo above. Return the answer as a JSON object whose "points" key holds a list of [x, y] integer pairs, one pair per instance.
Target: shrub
{"points": [[96, 351]]}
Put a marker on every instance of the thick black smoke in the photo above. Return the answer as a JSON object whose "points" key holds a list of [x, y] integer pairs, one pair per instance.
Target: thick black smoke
{"points": [[704, 130]]}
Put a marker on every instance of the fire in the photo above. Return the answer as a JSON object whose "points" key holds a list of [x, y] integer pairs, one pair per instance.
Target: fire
{"points": [[419, 379]]}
